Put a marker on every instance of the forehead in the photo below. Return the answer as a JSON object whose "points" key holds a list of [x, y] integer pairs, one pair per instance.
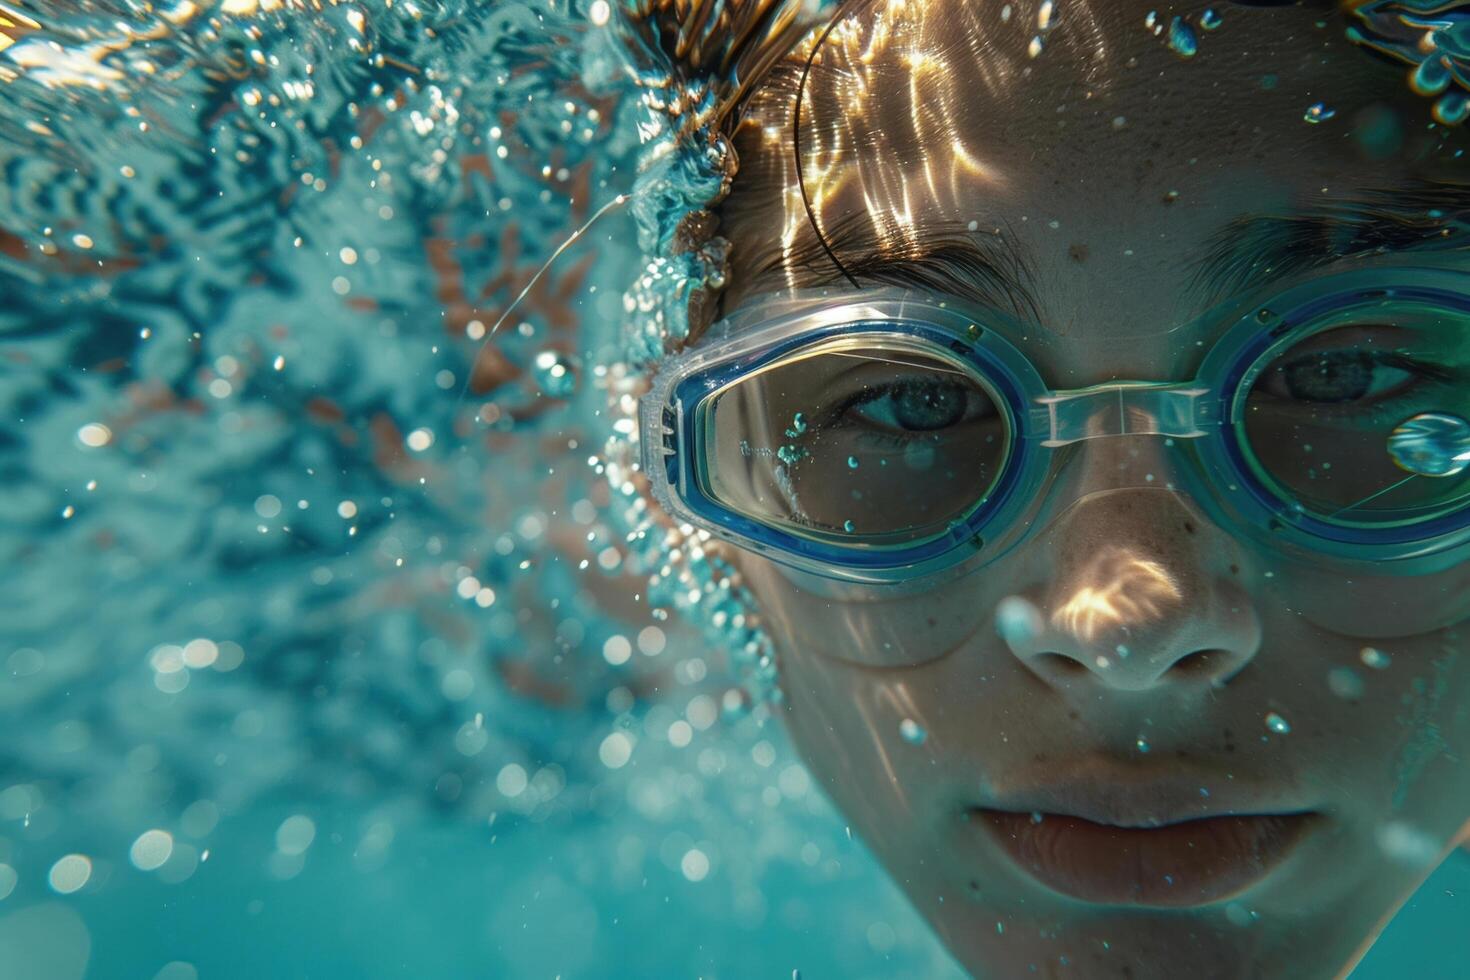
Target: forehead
{"points": [[1109, 164]]}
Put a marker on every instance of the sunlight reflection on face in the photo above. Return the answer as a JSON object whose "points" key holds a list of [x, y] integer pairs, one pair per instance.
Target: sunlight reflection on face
{"points": [[1117, 589]]}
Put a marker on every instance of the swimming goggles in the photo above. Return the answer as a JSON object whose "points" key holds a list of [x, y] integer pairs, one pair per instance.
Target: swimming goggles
{"points": [[883, 436]]}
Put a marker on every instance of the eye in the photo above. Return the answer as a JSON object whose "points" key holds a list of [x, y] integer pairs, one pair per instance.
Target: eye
{"points": [[1340, 376], [1347, 369], [915, 405]]}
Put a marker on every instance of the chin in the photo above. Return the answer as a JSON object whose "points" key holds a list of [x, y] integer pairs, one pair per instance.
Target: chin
{"points": [[1016, 938]]}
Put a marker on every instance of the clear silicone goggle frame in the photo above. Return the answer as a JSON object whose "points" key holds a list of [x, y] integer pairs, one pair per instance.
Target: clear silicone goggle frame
{"points": [[881, 437]]}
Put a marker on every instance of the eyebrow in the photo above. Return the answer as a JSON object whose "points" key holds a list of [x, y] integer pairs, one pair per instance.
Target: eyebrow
{"points": [[1255, 251], [1250, 252], [990, 268]]}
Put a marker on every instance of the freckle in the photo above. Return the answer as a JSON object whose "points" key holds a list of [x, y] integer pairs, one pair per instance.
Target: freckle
{"points": [[932, 622], [1234, 569], [1077, 252], [974, 886], [1073, 715], [1188, 527]]}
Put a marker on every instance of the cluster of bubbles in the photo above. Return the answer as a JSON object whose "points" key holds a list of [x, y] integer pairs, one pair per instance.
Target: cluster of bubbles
{"points": [[1182, 37], [1432, 38], [252, 252], [238, 489]]}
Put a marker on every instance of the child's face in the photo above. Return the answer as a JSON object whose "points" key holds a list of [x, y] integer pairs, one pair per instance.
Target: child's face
{"points": [[1079, 153]]}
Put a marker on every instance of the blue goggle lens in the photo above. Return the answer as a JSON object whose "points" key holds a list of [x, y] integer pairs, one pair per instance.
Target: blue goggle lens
{"points": [[1363, 421], [855, 442]]}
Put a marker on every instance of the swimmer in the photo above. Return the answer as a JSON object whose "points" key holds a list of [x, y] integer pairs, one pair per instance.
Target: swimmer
{"points": [[1087, 410]]}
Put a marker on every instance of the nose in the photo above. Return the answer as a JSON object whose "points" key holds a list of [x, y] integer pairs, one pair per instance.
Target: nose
{"points": [[1135, 591]]}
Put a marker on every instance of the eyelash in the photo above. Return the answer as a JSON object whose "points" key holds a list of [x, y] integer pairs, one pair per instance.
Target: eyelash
{"points": [[874, 437], [887, 440]]}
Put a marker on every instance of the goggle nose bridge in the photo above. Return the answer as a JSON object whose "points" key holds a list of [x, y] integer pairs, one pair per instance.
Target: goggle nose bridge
{"points": [[1179, 410]]}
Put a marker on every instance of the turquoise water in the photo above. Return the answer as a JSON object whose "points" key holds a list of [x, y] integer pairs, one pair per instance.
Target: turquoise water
{"points": [[322, 656], [447, 901]]}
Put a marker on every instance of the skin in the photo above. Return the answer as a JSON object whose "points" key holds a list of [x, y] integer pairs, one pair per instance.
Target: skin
{"points": [[1242, 629]]}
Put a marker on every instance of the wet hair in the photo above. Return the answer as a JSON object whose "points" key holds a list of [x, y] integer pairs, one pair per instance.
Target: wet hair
{"points": [[775, 69], [806, 202]]}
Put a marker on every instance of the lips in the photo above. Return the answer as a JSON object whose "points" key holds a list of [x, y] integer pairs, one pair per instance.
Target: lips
{"points": [[1171, 865]]}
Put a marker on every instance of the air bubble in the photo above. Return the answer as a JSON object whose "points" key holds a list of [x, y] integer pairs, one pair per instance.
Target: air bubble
{"points": [[151, 850], [1318, 112], [1431, 444], [94, 435], [1017, 620], [1239, 915], [1375, 658], [1182, 39], [70, 873], [1451, 108], [556, 374], [735, 704], [1345, 683], [790, 454], [912, 732], [1045, 16], [1408, 844], [1432, 77], [1277, 724]]}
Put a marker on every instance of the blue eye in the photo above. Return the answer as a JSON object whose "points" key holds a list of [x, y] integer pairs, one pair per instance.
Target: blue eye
{"points": [[917, 405], [1343, 376], [1338, 376]]}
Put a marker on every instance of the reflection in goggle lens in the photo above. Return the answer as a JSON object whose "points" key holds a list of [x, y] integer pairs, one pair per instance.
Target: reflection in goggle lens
{"points": [[875, 446], [1363, 422]]}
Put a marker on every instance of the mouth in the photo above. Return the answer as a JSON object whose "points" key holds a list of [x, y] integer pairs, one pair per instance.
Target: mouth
{"points": [[1167, 865]]}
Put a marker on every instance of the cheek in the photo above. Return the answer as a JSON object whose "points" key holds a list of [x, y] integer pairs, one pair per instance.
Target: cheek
{"points": [[912, 629], [1371, 607], [1411, 728], [849, 729], [902, 753]]}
